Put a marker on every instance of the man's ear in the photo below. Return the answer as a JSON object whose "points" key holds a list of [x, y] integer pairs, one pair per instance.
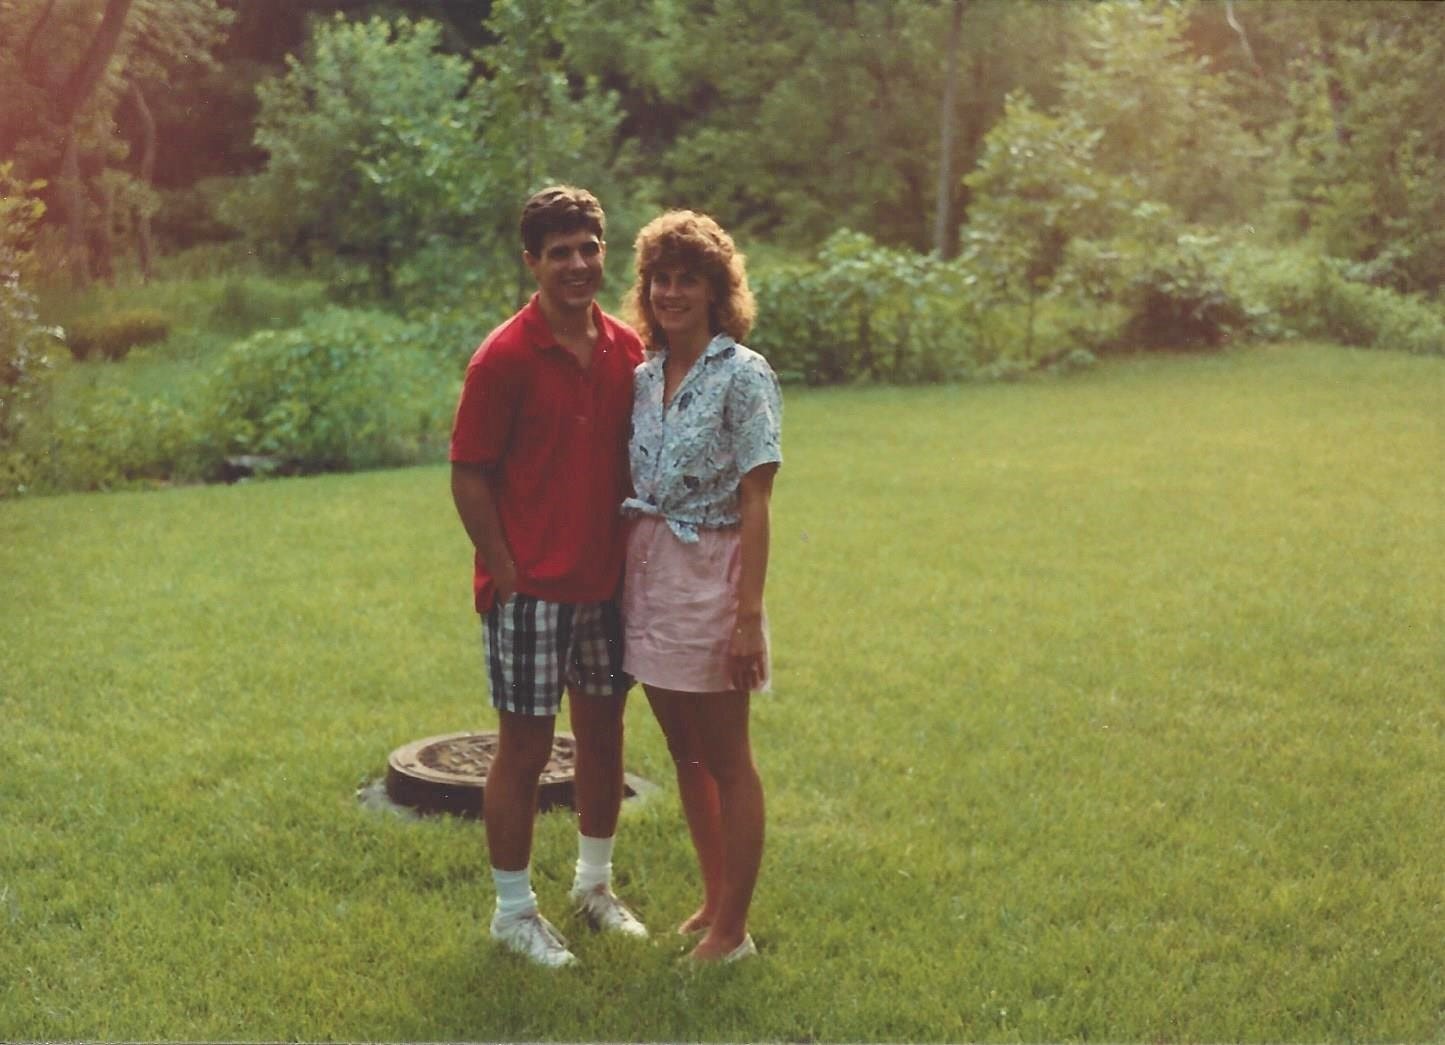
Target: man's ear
{"points": [[530, 262]]}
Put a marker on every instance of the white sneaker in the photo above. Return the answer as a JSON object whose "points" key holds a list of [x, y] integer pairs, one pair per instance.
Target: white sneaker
{"points": [[533, 937], [605, 911]]}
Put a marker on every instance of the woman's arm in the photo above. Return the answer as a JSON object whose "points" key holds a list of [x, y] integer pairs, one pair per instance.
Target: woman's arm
{"points": [[748, 647]]}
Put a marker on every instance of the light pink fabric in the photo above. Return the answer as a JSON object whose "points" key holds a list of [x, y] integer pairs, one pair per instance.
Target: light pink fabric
{"points": [[679, 607]]}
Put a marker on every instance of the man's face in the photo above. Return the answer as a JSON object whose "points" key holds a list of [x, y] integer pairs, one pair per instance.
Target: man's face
{"points": [[569, 270]]}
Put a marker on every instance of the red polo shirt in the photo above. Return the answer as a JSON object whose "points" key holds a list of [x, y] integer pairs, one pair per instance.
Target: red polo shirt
{"points": [[557, 437]]}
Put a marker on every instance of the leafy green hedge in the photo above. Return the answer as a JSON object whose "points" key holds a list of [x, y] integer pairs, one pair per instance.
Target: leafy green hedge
{"points": [[859, 310], [112, 335], [346, 389]]}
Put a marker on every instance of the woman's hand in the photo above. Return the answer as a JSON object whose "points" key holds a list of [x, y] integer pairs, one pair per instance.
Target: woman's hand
{"points": [[747, 660]]}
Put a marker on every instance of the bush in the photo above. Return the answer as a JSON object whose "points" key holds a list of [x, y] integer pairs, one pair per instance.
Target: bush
{"points": [[113, 335], [864, 311], [1176, 290], [23, 340], [1294, 293], [249, 303], [346, 389], [114, 438], [23, 356]]}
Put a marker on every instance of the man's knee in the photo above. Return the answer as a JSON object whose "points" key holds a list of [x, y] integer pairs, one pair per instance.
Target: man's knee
{"points": [[524, 744]]}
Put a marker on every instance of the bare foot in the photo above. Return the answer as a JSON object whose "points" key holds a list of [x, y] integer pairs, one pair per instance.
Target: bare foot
{"points": [[699, 921], [715, 948]]}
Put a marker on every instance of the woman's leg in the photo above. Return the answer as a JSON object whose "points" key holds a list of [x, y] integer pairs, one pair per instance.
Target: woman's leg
{"points": [[699, 794], [720, 722]]}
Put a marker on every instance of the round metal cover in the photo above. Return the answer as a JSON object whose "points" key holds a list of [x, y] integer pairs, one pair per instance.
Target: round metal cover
{"points": [[448, 774]]}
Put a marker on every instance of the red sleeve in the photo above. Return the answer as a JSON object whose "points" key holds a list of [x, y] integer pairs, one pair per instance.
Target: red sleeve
{"points": [[488, 405]]}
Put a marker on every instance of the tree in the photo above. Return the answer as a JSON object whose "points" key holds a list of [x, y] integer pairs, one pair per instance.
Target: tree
{"points": [[370, 144], [539, 126], [1164, 115], [380, 145], [1368, 139], [63, 125], [943, 212], [1037, 188]]}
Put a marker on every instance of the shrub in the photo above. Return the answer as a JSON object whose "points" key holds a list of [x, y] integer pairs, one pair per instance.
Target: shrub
{"points": [[1295, 293], [23, 340], [346, 389], [248, 303], [109, 439], [1175, 289], [23, 356], [113, 335], [864, 311]]}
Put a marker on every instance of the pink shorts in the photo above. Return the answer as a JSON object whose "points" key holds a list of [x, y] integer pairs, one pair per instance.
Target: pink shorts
{"points": [[679, 607]]}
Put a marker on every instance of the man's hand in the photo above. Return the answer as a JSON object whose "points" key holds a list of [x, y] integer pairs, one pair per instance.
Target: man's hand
{"points": [[504, 580]]}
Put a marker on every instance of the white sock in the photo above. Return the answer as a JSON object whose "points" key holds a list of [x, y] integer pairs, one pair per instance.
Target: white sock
{"points": [[594, 862], [514, 892]]}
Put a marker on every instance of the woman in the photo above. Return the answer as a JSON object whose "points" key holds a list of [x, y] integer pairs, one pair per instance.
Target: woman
{"points": [[706, 420]]}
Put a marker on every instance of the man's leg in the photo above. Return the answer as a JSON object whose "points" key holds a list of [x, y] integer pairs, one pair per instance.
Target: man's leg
{"points": [[597, 726], [522, 642], [524, 744], [597, 698]]}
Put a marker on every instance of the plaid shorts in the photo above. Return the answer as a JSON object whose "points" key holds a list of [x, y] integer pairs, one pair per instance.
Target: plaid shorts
{"points": [[535, 648]]}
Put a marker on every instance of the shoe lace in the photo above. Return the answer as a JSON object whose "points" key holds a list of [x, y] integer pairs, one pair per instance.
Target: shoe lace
{"points": [[544, 929]]}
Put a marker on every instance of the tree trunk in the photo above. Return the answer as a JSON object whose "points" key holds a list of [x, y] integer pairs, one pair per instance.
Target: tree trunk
{"points": [[72, 98], [103, 252], [943, 217], [27, 50], [73, 195], [1334, 89], [144, 251]]}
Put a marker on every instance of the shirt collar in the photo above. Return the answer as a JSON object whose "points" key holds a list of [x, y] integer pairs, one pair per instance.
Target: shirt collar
{"points": [[719, 344], [539, 334]]}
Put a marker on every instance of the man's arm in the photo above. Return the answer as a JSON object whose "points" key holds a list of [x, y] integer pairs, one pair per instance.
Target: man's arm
{"points": [[477, 507]]}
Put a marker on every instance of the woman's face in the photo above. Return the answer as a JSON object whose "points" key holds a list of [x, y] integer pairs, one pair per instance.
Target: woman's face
{"points": [[681, 301]]}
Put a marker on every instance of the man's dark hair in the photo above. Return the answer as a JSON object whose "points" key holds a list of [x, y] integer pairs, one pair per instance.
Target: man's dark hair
{"points": [[559, 209]]}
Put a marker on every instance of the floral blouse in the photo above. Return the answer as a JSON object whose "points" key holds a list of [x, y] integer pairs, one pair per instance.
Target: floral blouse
{"points": [[688, 460]]}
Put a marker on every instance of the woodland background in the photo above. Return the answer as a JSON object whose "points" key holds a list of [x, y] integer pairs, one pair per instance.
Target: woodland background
{"points": [[294, 220]]}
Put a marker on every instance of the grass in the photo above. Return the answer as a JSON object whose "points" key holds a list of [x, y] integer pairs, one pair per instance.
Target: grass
{"points": [[1106, 708]]}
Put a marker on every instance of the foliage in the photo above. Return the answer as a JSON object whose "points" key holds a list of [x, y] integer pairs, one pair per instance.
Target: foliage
{"points": [[344, 390], [159, 42], [369, 139], [860, 310], [1164, 120], [1201, 289], [113, 439], [247, 303], [1368, 145], [112, 335], [383, 149], [1036, 189], [23, 340], [1174, 285]]}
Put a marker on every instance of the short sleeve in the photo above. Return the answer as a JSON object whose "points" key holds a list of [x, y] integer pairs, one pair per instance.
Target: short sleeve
{"points": [[755, 409], [486, 409]]}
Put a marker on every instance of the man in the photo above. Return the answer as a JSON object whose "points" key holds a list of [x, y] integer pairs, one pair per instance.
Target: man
{"points": [[539, 469]]}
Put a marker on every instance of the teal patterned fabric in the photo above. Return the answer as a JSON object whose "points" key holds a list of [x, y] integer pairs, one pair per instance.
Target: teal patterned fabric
{"points": [[688, 460]]}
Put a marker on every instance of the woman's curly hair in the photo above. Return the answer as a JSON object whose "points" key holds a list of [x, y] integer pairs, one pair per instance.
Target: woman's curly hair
{"points": [[695, 242]]}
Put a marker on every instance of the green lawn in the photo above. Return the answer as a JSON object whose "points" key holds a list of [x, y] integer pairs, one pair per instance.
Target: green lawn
{"points": [[1106, 708]]}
